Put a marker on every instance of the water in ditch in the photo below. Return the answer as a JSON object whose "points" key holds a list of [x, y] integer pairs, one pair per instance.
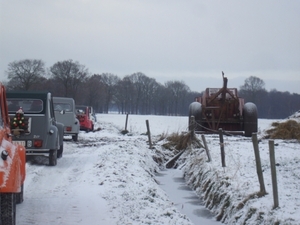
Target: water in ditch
{"points": [[186, 200]]}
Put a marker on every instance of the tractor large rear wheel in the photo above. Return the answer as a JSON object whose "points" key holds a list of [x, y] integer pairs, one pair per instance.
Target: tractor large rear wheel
{"points": [[250, 118]]}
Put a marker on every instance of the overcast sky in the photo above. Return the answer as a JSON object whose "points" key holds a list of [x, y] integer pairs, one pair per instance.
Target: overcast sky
{"points": [[185, 40]]}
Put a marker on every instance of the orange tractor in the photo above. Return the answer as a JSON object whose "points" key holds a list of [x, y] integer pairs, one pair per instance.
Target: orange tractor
{"points": [[222, 108], [12, 167]]}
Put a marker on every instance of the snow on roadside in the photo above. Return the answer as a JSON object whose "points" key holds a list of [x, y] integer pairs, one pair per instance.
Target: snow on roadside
{"points": [[231, 192], [104, 178], [238, 181], [228, 188], [125, 171], [109, 178]]}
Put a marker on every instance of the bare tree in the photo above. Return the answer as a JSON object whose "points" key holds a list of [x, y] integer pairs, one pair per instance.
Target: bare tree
{"points": [[137, 81], [55, 87], [109, 82], [94, 93], [124, 95], [71, 74], [177, 92], [160, 100], [150, 88], [253, 83], [252, 88], [25, 74], [136, 92], [254, 91]]}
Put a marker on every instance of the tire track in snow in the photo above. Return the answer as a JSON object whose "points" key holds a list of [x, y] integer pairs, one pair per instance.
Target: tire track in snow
{"points": [[62, 194]]}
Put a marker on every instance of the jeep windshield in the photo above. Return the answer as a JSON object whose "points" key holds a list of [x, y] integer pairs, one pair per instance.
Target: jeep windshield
{"points": [[62, 106], [27, 105], [80, 109]]}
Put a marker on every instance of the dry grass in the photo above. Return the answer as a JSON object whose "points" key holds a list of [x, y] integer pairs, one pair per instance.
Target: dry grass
{"points": [[181, 141], [286, 130], [162, 136], [258, 194]]}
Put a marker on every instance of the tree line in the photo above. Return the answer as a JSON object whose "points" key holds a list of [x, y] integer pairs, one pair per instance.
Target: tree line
{"points": [[135, 93]]}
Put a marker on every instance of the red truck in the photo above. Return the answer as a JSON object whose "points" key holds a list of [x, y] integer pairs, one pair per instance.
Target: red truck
{"points": [[12, 167]]}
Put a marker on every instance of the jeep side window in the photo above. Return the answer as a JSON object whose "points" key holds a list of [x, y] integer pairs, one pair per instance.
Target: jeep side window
{"points": [[13, 105], [36, 106], [28, 105]]}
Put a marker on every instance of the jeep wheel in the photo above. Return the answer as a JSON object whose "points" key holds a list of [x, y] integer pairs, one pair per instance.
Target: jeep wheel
{"points": [[8, 208], [75, 137], [60, 151], [53, 157], [20, 196]]}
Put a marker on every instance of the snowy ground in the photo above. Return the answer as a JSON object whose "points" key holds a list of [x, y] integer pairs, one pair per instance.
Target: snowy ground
{"points": [[108, 178]]}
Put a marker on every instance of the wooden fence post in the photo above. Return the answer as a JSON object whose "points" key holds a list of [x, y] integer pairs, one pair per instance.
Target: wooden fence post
{"points": [[126, 121], [149, 135], [273, 173], [192, 126], [206, 148], [258, 164], [222, 147]]}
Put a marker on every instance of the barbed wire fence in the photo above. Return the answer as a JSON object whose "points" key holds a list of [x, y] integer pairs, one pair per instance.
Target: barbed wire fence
{"points": [[192, 126]]}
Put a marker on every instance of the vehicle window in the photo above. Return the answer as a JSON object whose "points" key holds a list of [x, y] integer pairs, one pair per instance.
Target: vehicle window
{"points": [[62, 106], [80, 109], [27, 105], [13, 105]]}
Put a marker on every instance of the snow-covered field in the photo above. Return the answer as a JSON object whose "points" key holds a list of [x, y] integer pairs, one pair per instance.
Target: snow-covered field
{"points": [[109, 178]]}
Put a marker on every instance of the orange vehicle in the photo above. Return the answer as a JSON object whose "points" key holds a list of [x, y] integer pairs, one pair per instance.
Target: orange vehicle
{"points": [[12, 167]]}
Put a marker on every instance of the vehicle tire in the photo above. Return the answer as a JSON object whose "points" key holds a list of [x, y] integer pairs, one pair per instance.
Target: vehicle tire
{"points": [[8, 208], [250, 118], [195, 109], [60, 151], [20, 196], [53, 157], [75, 137]]}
